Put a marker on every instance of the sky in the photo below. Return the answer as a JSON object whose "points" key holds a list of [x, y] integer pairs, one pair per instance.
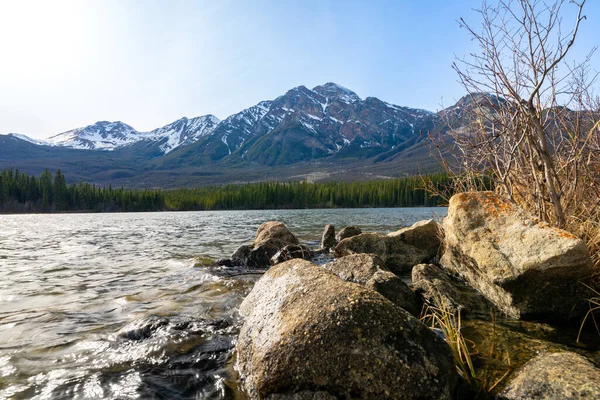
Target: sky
{"points": [[66, 64]]}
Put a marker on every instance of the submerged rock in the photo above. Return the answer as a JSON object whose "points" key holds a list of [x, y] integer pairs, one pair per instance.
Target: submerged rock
{"points": [[424, 235], [563, 375], [369, 270], [501, 349], [347, 232], [397, 255], [308, 334], [439, 288], [328, 239], [270, 238], [527, 268]]}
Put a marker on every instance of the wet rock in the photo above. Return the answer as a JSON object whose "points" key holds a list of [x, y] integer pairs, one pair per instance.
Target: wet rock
{"points": [[501, 349], [347, 232], [306, 330], [527, 268], [224, 262], [240, 256], [292, 251], [143, 328], [424, 235], [397, 255], [270, 238], [369, 270], [439, 288], [328, 239], [562, 375]]}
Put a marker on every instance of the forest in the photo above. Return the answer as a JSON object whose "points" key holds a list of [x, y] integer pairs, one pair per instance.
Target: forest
{"points": [[21, 193]]}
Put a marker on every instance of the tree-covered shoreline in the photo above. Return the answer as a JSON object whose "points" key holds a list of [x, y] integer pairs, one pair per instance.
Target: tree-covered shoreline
{"points": [[21, 193]]}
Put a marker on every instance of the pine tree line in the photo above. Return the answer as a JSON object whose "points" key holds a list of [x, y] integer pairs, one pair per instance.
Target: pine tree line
{"points": [[22, 193]]}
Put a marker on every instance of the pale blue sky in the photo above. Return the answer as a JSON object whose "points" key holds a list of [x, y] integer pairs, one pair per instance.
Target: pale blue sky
{"points": [[65, 64]]}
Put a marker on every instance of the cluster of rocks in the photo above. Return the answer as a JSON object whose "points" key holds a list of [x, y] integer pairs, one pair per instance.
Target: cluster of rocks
{"points": [[350, 328]]}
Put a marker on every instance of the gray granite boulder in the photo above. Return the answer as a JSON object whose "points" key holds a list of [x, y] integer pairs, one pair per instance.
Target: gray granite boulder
{"points": [[425, 235], [308, 334], [328, 238], [270, 238], [563, 375], [397, 255], [347, 232], [438, 287], [370, 271]]}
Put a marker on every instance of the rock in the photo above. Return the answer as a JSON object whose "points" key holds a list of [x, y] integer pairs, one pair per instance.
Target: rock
{"points": [[438, 287], [347, 232], [224, 262], [563, 375], [500, 349], [240, 256], [304, 395], [398, 256], [292, 251], [328, 239], [424, 235], [527, 268], [143, 328], [274, 233], [270, 238], [369, 271], [308, 331]]}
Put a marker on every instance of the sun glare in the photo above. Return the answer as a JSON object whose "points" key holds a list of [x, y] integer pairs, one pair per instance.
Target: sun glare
{"points": [[38, 38]]}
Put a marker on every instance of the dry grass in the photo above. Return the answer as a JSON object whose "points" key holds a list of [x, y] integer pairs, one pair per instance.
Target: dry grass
{"points": [[483, 381], [594, 306], [442, 319]]}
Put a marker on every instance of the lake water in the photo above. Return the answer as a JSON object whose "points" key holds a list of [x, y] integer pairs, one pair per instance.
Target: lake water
{"points": [[127, 306]]}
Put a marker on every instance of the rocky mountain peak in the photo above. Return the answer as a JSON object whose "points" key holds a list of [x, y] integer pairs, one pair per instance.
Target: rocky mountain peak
{"points": [[335, 91]]}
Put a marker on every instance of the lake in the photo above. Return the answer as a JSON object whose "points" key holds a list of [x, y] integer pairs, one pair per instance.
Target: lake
{"points": [[129, 306]]}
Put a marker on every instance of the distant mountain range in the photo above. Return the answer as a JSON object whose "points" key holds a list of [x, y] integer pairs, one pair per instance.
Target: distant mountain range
{"points": [[328, 132]]}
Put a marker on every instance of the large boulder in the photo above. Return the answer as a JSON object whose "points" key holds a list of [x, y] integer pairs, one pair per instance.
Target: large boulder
{"points": [[274, 235], [370, 271], [527, 268], [397, 255], [328, 239], [563, 375], [308, 334], [270, 238], [443, 290], [347, 232], [425, 235]]}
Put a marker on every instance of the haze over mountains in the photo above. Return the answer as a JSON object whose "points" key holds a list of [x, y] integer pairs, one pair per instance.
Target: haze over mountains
{"points": [[328, 132]]}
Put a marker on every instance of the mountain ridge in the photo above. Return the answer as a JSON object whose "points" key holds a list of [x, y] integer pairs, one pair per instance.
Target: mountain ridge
{"points": [[327, 132]]}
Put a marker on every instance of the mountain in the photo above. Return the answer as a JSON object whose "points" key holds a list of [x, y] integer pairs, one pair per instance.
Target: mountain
{"points": [[327, 132], [328, 121], [105, 135]]}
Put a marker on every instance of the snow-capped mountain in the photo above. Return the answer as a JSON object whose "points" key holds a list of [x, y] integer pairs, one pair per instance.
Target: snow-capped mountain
{"points": [[305, 124], [181, 132], [328, 130], [301, 125], [105, 135], [102, 135]]}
